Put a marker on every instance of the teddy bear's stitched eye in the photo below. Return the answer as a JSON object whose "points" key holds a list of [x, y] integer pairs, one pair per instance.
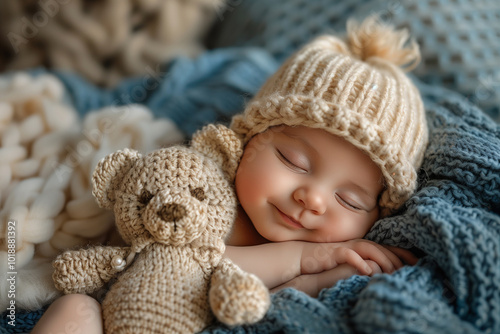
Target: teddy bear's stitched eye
{"points": [[198, 193], [145, 197]]}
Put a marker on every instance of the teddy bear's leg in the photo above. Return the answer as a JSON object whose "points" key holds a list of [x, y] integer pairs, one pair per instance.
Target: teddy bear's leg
{"points": [[237, 297]]}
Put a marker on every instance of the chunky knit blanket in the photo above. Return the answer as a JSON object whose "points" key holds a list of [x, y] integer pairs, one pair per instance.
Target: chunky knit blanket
{"points": [[452, 221]]}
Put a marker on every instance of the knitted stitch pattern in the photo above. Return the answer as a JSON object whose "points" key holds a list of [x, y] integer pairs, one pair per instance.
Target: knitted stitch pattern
{"points": [[174, 207]]}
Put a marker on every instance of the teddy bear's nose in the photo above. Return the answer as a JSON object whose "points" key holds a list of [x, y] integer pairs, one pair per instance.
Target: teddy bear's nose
{"points": [[172, 212]]}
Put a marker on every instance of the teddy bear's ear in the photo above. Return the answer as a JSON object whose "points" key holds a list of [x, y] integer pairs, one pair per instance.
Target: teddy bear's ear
{"points": [[221, 144], [108, 174]]}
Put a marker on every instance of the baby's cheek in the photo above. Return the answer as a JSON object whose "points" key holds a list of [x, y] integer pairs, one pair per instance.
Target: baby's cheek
{"points": [[246, 188], [357, 227], [343, 226], [246, 192]]}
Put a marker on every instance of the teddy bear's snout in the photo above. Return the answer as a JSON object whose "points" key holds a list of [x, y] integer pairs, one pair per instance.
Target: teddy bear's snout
{"points": [[175, 218], [172, 212]]}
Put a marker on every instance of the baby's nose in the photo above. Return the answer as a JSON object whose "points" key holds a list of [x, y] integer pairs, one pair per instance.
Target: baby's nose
{"points": [[172, 212], [311, 199]]}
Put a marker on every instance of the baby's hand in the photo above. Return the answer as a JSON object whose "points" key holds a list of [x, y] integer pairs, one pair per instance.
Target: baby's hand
{"points": [[318, 257]]}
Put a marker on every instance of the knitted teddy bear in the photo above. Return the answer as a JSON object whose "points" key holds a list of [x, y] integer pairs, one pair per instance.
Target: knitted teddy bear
{"points": [[174, 207]]}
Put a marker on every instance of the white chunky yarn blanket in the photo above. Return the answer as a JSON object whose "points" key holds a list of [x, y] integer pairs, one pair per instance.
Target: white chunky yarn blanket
{"points": [[105, 40], [47, 155]]}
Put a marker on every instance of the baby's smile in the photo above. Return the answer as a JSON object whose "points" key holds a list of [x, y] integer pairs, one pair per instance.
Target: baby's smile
{"points": [[288, 220]]}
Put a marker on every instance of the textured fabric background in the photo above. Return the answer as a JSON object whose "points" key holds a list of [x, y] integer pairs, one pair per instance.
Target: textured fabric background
{"points": [[104, 41], [460, 40], [190, 92]]}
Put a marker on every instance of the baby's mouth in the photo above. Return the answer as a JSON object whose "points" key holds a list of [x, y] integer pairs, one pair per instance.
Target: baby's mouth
{"points": [[290, 220]]}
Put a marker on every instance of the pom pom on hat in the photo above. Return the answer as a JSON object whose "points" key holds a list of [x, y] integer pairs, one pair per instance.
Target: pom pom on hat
{"points": [[376, 39], [356, 89]]}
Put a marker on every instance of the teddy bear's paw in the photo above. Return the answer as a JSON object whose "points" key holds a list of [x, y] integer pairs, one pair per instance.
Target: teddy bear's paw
{"points": [[86, 270], [237, 297]]}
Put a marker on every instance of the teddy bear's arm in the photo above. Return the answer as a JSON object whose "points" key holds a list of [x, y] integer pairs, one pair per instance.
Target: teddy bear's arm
{"points": [[237, 297], [86, 270]]}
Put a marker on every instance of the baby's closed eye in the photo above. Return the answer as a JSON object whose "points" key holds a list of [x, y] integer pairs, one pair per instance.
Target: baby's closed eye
{"points": [[293, 160], [348, 202]]}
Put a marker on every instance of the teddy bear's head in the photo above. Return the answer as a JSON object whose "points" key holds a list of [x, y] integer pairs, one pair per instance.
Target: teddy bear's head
{"points": [[175, 195]]}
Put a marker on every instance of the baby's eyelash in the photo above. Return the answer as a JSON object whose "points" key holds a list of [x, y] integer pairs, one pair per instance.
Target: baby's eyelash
{"points": [[284, 158], [344, 202], [288, 162]]}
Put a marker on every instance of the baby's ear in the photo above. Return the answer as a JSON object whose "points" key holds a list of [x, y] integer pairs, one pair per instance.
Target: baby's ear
{"points": [[108, 174], [220, 144]]}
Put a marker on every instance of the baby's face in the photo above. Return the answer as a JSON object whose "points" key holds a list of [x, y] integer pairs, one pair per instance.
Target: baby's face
{"points": [[300, 183]]}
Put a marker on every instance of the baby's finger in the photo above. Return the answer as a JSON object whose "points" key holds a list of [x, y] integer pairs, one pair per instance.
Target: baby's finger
{"points": [[375, 267], [387, 260], [395, 260], [351, 257]]}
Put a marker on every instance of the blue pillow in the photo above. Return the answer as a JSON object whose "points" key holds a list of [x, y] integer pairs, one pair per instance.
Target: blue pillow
{"points": [[459, 40]]}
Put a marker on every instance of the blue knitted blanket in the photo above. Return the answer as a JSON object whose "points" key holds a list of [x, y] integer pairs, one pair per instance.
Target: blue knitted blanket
{"points": [[453, 219]]}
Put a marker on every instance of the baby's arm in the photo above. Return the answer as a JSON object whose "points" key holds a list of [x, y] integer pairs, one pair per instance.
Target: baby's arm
{"points": [[278, 263], [273, 263], [312, 284]]}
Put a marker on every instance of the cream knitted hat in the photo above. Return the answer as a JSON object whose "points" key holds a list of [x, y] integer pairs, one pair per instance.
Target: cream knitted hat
{"points": [[355, 89]]}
